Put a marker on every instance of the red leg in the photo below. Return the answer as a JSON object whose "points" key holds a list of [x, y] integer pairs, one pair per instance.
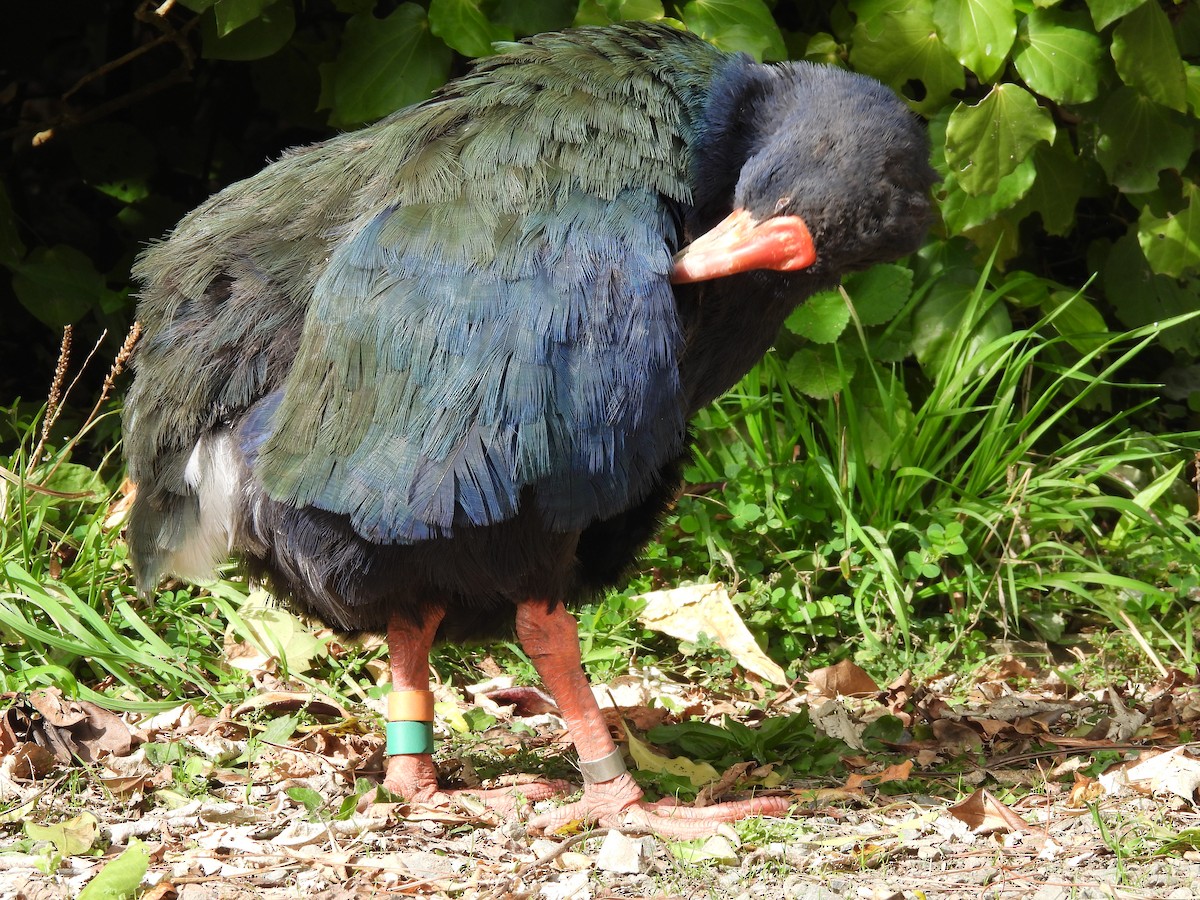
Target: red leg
{"points": [[413, 776], [550, 636]]}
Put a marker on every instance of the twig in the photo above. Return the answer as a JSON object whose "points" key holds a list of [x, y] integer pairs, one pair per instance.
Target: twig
{"points": [[556, 853]]}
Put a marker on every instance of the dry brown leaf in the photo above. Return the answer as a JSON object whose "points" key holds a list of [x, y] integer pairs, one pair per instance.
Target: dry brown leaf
{"points": [[955, 735], [1085, 790], [844, 679], [290, 701], [899, 772], [984, 814]]}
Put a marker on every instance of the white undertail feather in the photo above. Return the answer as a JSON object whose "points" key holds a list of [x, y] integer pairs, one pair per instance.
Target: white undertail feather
{"points": [[212, 472]]}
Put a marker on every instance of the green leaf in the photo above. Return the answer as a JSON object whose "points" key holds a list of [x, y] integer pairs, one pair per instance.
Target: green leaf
{"points": [[12, 250], [899, 44], [464, 27], [526, 18], [1172, 244], [1059, 56], [939, 318], [821, 318], [384, 64], [736, 25], [259, 37], [815, 371], [1147, 57], [1193, 88], [1058, 186], [58, 285], [962, 212], [879, 293], [1105, 12], [120, 878], [1078, 321], [1138, 138], [1140, 297], [987, 141], [605, 12], [71, 837], [233, 14], [978, 32], [306, 797]]}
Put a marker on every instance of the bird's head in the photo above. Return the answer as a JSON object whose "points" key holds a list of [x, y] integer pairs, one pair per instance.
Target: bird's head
{"points": [[834, 176]]}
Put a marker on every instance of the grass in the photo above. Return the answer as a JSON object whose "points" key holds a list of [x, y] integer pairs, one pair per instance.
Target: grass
{"points": [[906, 519], [905, 524]]}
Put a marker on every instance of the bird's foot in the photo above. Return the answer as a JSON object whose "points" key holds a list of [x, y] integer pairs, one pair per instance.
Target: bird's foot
{"points": [[618, 803], [414, 778]]}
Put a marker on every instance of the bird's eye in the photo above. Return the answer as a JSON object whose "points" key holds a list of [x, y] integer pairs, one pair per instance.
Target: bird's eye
{"points": [[781, 204]]}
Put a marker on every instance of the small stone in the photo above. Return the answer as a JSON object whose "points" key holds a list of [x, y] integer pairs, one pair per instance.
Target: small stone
{"points": [[623, 854], [569, 887]]}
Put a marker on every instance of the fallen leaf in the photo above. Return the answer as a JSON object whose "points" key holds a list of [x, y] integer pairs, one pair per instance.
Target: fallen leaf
{"points": [[843, 679], [699, 774], [1172, 772], [121, 877], [272, 633], [688, 612], [71, 837], [984, 814]]}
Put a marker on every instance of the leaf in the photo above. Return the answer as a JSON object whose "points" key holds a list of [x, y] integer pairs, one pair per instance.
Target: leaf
{"points": [[646, 760], [1172, 244], [1138, 138], [1059, 56], [58, 285], [821, 318], [736, 25], [1078, 321], [120, 878], [815, 371], [843, 679], [1105, 12], [901, 45], [605, 12], [1147, 57], [384, 65], [962, 212], [70, 838], [261, 36], [526, 18], [688, 612], [1141, 297], [1058, 186], [984, 814], [937, 320], [233, 14], [1193, 88], [879, 293], [978, 32], [464, 27], [987, 141]]}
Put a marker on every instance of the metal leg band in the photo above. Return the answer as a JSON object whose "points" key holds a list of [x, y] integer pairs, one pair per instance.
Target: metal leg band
{"points": [[405, 738], [606, 768]]}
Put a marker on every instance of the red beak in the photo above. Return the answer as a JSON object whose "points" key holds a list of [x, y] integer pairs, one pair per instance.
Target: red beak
{"points": [[741, 243]]}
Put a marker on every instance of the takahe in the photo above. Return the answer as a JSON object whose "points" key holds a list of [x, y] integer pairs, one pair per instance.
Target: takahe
{"points": [[435, 376]]}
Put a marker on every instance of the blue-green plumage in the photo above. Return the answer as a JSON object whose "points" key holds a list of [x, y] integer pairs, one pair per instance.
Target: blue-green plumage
{"points": [[441, 360]]}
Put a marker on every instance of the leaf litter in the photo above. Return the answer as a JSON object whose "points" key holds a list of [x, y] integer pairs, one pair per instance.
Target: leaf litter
{"points": [[1018, 784]]}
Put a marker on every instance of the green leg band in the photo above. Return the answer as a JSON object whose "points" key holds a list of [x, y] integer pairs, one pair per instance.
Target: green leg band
{"points": [[404, 738]]}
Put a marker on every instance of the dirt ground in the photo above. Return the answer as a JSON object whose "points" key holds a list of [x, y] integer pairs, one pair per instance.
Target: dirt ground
{"points": [[1020, 788]]}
